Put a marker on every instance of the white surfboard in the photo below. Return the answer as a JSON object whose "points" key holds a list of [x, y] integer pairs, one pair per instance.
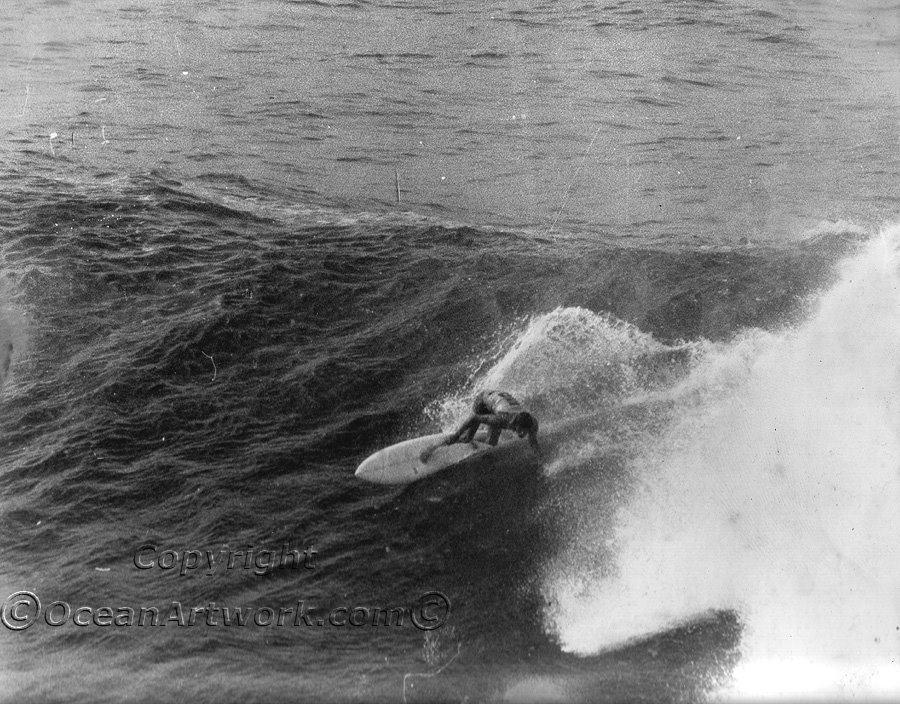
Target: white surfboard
{"points": [[400, 463]]}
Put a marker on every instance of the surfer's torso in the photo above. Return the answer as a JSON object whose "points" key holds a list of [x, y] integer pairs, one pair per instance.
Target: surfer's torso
{"points": [[496, 403]]}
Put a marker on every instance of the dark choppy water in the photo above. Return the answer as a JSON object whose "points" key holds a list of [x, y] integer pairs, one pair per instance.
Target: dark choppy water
{"points": [[633, 216]]}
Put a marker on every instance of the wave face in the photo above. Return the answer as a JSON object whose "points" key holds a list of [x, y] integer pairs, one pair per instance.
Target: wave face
{"points": [[247, 244], [203, 367], [772, 492]]}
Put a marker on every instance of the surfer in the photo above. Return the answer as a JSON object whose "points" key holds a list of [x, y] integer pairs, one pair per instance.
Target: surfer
{"points": [[499, 411]]}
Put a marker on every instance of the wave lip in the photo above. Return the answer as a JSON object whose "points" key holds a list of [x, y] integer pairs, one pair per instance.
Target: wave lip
{"points": [[771, 492]]}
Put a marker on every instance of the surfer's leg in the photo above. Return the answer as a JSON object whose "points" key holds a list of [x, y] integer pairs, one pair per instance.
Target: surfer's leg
{"points": [[468, 430], [494, 435]]}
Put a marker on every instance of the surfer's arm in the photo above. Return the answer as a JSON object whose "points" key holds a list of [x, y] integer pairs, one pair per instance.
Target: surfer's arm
{"points": [[451, 439], [467, 430], [470, 427]]}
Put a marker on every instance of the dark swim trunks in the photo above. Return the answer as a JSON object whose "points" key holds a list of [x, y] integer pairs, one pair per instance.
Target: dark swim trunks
{"points": [[497, 403]]}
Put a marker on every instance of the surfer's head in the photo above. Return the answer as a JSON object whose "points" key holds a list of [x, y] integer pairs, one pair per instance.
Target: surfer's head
{"points": [[524, 423]]}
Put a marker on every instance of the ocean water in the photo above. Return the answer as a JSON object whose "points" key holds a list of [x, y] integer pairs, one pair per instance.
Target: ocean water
{"points": [[245, 245]]}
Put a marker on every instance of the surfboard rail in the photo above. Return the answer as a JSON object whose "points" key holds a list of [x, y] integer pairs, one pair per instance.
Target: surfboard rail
{"points": [[401, 463]]}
